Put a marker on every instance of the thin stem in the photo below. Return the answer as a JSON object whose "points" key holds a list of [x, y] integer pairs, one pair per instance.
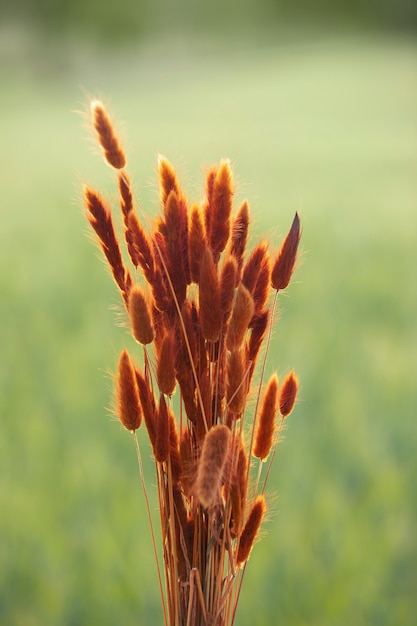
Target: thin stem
{"points": [[148, 509]]}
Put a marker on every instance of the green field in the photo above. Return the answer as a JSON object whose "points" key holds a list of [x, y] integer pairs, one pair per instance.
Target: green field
{"points": [[327, 128]]}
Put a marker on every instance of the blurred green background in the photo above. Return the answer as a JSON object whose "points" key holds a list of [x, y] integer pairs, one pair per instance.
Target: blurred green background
{"points": [[316, 108]]}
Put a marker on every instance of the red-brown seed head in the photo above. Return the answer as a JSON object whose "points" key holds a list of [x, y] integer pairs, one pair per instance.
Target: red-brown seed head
{"points": [[239, 236], [140, 317], [209, 298], [227, 284], [250, 530], [257, 260], [112, 149], [211, 464], [99, 216], [221, 208], [129, 410], [284, 264], [237, 384], [196, 242], [242, 313], [168, 180], [266, 422], [288, 394], [165, 366]]}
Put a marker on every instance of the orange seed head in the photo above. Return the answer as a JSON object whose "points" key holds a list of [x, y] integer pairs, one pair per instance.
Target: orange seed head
{"points": [[288, 394], [129, 410]]}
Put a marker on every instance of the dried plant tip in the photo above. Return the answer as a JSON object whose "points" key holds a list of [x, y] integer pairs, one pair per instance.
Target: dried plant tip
{"points": [[140, 317], [242, 313], [285, 262], [211, 465], [266, 422], [209, 298], [129, 410], [165, 369], [162, 440], [288, 394], [250, 530], [113, 151]]}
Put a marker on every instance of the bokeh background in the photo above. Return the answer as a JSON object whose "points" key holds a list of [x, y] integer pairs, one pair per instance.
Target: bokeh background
{"points": [[315, 105]]}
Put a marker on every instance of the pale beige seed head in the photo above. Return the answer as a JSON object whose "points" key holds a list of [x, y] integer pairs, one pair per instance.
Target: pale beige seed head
{"points": [[211, 465]]}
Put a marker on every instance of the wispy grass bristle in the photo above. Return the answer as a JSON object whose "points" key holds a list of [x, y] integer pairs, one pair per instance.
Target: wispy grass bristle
{"points": [[200, 306]]}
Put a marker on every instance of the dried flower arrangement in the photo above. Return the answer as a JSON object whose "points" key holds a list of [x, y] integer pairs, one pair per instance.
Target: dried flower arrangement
{"points": [[201, 311]]}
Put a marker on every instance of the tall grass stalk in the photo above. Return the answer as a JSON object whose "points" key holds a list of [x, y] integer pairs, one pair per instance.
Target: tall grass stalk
{"points": [[200, 308]]}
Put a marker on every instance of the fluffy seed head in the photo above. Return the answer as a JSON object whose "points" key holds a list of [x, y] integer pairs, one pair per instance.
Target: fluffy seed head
{"points": [[239, 235], [266, 422], [211, 464], [139, 247], [237, 384], [220, 210], [288, 394], [250, 530], [209, 298], [112, 149], [129, 410], [99, 216], [227, 284], [147, 401], [284, 264], [168, 180], [196, 242], [258, 258], [140, 318], [165, 367], [242, 313]]}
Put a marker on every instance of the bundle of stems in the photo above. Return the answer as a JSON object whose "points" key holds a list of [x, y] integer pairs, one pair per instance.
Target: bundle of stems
{"points": [[201, 309]]}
